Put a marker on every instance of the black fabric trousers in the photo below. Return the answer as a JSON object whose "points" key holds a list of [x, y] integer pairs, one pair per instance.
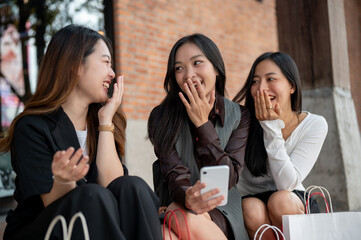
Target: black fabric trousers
{"points": [[127, 209], [138, 208]]}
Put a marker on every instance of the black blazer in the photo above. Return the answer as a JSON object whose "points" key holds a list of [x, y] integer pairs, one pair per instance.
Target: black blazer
{"points": [[36, 139]]}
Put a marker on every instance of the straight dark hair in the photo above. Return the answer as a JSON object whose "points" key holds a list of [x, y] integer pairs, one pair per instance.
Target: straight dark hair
{"points": [[256, 155], [165, 121]]}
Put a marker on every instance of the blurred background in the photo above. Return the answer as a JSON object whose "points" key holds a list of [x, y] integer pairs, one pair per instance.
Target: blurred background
{"points": [[323, 36]]}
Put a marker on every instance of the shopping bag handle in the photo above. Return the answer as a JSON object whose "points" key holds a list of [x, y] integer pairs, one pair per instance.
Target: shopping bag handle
{"points": [[52, 225], [321, 193], [67, 235], [275, 229], [172, 213], [83, 222]]}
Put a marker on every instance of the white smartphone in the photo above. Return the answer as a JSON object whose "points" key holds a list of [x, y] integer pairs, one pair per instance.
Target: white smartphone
{"points": [[216, 177]]}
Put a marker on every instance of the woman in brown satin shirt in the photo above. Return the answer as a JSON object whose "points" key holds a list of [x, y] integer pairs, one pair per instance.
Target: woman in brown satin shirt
{"points": [[195, 87]]}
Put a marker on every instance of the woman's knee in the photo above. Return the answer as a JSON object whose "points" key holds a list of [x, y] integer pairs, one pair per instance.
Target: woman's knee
{"points": [[187, 223], [254, 211], [129, 183], [283, 203], [92, 193], [133, 189], [90, 189], [174, 211]]}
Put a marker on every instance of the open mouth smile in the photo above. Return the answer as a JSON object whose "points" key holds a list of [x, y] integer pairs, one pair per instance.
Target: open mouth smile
{"points": [[195, 84], [106, 85]]}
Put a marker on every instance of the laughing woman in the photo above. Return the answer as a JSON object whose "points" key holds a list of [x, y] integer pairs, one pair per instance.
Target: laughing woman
{"points": [[196, 126], [283, 144], [66, 149]]}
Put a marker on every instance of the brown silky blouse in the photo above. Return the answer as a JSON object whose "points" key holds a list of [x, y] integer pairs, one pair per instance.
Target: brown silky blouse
{"points": [[208, 151]]}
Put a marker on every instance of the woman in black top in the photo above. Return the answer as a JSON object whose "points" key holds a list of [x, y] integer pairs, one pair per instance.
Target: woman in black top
{"points": [[66, 148]]}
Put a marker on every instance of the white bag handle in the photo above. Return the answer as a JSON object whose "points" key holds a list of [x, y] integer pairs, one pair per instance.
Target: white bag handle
{"points": [[52, 224], [83, 222], [67, 235], [309, 191], [274, 228]]}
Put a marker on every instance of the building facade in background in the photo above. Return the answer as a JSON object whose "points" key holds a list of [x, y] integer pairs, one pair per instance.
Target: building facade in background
{"points": [[322, 36], [144, 33]]}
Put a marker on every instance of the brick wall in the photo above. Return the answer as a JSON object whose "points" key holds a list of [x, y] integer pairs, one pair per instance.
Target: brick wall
{"points": [[145, 31]]}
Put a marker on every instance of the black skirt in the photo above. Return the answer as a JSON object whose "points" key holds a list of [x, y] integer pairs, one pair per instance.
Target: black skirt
{"points": [[264, 196]]}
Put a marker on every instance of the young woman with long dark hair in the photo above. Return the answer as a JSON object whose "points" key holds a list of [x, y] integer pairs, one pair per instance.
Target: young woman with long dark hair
{"points": [[283, 144], [66, 148], [193, 127]]}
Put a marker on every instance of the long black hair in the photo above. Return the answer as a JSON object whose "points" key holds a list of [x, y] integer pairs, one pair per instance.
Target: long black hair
{"points": [[166, 120], [256, 155]]}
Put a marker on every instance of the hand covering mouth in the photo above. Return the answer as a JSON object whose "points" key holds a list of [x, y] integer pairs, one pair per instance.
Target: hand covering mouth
{"points": [[195, 83]]}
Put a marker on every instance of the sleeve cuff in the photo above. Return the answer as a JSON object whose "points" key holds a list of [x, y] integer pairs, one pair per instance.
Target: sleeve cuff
{"points": [[205, 134], [272, 126], [180, 196]]}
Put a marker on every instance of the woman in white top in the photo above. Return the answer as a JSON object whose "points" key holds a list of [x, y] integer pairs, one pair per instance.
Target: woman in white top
{"points": [[283, 144]]}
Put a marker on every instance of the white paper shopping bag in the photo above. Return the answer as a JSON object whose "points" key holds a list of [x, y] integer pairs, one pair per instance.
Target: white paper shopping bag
{"points": [[322, 226]]}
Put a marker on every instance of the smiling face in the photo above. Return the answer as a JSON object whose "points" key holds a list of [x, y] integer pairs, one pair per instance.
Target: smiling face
{"points": [[268, 76], [192, 64], [95, 74]]}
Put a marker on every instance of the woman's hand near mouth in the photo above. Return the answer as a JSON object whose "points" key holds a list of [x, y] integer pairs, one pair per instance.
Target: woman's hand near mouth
{"points": [[107, 112], [264, 109], [198, 107]]}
